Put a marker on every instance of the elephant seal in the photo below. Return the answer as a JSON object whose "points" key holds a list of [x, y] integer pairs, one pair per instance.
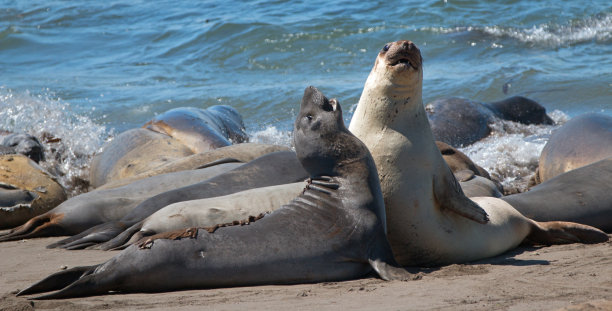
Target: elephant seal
{"points": [[89, 209], [461, 122], [239, 153], [333, 231], [212, 211], [272, 169], [26, 190], [137, 151], [429, 219], [473, 179], [21, 143], [583, 140], [201, 129], [581, 195]]}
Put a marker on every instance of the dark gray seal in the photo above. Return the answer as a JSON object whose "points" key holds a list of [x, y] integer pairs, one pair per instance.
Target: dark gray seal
{"points": [[272, 169], [21, 143], [583, 140], [461, 122], [334, 230], [581, 195]]}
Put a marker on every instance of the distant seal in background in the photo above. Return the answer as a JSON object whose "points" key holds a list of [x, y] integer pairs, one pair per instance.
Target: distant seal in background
{"points": [[171, 136], [583, 140], [201, 129], [26, 190], [271, 169], [581, 195], [333, 231], [473, 179], [460, 122], [21, 143], [429, 219], [101, 205]]}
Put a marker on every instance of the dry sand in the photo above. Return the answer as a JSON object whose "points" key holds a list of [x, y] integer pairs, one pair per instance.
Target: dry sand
{"points": [[576, 277]]}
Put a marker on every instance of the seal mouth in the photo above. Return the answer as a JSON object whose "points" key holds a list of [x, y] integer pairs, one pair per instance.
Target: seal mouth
{"points": [[401, 61]]}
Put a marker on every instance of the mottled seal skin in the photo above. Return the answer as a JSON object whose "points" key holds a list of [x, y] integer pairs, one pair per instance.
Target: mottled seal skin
{"points": [[461, 122], [21, 143], [201, 129], [269, 170], [26, 190], [430, 221], [333, 231], [583, 140], [169, 137], [86, 210], [206, 213], [581, 195]]}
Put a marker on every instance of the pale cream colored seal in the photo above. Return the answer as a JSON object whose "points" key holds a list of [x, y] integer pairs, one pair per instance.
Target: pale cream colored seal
{"points": [[429, 219]]}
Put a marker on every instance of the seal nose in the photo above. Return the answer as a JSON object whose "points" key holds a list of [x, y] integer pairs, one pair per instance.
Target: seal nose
{"points": [[406, 45]]}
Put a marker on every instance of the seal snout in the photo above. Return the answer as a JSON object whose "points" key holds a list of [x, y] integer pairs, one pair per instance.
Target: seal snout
{"points": [[403, 53]]}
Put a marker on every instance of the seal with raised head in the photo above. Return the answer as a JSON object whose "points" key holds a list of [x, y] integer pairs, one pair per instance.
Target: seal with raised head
{"points": [[461, 122], [333, 231], [92, 208], [429, 219], [583, 140]]}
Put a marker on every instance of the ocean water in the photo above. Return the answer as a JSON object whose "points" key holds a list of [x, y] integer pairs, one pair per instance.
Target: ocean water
{"points": [[80, 72]]}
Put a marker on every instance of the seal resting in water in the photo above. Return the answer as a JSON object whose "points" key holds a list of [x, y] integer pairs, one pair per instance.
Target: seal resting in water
{"points": [[429, 219], [583, 140], [461, 122], [26, 190], [334, 230], [170, 136]]}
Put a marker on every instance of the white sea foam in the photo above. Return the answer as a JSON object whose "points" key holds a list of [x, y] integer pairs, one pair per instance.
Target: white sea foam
{"points": [[512, 151], [272, 135], [69, 139], [597, 28]]}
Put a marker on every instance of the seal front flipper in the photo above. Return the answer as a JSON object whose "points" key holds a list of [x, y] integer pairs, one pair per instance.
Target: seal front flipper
{"points": [[449, 195], [58, 280], [382, 261]]}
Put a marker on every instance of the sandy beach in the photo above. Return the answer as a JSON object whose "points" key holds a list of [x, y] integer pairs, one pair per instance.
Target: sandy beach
{"points": [[572, 277]]}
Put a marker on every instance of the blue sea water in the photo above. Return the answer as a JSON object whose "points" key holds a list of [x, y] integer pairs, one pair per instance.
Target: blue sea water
{"points": [[83, 71]]}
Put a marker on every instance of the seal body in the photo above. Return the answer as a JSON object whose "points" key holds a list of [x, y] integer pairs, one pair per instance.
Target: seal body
{"points": [[581, 195], [333, 231], [26, 190], [430, 220], [461, 122], [583, 140], [21, 143], [92, 208]]}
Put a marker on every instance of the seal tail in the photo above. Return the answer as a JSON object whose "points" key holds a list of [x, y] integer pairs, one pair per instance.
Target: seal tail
{"points": [[58, 280], [47, 224], [90, 237], [561, 232], [124, 239]]}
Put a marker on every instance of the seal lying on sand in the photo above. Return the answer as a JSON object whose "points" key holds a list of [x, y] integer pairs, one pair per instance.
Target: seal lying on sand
{"points": [[26, 190], [271, 169], [170, 136], [101, 205], [583, 140], [461, 122], [212, 211], [581, 195], [429, 219], [334, 230]]}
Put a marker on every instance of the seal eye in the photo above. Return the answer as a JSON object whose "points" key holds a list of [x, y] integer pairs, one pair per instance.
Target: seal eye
{"points": [[309, 117], [386, 47]]}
